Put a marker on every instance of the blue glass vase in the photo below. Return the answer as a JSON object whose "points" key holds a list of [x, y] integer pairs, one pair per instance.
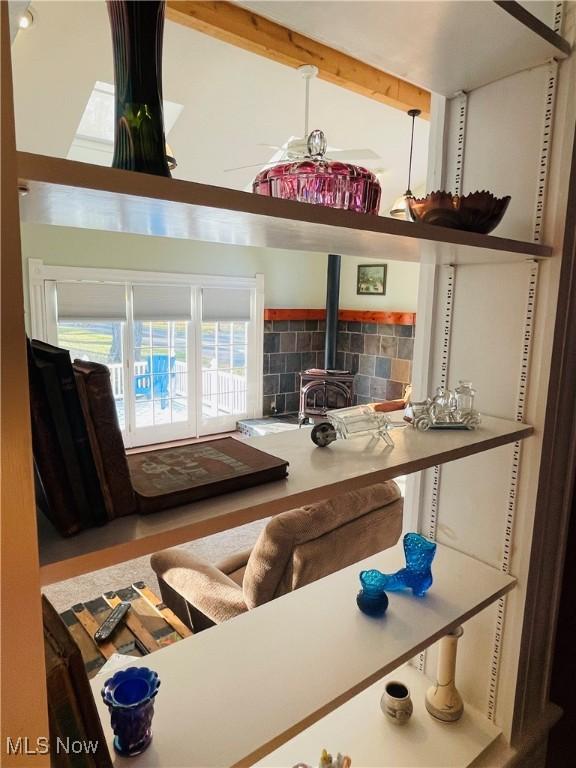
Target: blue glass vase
{"points": [[129, 695], [372, 600], [417, 575]]}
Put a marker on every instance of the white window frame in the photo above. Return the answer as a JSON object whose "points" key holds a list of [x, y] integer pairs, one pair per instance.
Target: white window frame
{"points": [[42, 280]]}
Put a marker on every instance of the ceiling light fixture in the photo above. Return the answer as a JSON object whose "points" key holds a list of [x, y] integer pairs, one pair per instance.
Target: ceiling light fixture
{"points": [[26, 19], [400, 208]]}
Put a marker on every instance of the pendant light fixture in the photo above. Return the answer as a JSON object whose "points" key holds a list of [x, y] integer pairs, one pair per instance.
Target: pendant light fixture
{"points": [[400, 208], [170, 158]]}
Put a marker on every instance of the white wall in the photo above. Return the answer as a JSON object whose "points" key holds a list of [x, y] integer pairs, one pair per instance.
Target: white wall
{"points": [[401, 286], [234, 101], [292, 279]]}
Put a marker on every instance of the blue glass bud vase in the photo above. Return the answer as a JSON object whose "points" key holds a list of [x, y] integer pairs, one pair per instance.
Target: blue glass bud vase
{"points": [[129, 695], [372, 600], [417, 575]]}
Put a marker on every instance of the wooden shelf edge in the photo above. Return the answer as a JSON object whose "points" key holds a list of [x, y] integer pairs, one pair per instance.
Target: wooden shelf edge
{"points": [[197, 527], [40, 169]]}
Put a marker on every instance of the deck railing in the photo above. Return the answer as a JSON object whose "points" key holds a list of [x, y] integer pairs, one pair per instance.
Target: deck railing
{"points": [[222, 392]]}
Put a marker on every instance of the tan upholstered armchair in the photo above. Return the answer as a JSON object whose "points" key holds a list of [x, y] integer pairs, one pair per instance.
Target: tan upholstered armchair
{"points": [[296, 548]]}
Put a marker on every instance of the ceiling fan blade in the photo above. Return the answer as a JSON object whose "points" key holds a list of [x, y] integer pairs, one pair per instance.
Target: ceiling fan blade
{"points": [[353, 154], [270, 146], [243, 167]]}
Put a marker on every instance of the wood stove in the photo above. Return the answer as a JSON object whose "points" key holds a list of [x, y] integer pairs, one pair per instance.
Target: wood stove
{"points": [[323, 389]]}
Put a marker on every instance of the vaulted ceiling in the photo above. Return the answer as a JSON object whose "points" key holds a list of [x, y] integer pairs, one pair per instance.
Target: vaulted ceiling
{"points": [[233, 100]]}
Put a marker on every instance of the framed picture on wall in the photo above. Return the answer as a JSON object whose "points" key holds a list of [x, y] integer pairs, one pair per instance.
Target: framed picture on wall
{"points": [[371, 279]]}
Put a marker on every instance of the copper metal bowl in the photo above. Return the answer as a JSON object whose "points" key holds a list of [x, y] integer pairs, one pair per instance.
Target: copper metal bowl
{"points": [[476, 212]]}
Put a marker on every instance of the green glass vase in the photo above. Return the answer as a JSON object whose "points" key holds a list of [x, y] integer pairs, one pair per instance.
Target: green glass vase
{"points": [[137, 32]]}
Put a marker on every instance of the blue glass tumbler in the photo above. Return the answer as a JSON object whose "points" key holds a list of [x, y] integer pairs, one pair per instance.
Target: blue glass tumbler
{"points": [[129, 695]]}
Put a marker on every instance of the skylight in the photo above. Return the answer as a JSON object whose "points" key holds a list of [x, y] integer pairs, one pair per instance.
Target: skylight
{"points": [[94, 139]]}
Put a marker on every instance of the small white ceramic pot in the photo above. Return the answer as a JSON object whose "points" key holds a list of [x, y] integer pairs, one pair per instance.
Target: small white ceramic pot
{"points": [[396, 702]]}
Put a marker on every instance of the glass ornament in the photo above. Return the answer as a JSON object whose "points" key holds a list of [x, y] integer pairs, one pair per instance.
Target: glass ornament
{"points": [[417, 575], [356, 421], [129, 695], [316, 179], [372, 600], [448, 409]]}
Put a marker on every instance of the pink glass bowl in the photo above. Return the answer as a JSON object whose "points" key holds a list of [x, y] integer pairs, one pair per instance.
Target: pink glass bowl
{"points": [[477, 212], [317, 180]]}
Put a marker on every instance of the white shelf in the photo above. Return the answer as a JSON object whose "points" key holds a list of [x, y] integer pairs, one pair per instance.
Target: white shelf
{"points": [[314, 474], [444, 47], [234, 693], [71, 194], [359, 729]]}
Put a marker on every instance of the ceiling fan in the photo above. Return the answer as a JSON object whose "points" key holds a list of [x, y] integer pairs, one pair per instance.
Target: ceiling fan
{"points": [[295, 147]]}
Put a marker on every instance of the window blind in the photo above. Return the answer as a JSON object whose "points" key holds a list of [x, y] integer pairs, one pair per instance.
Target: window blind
{"points": [[162, 302], [91, 301], [225, 304]]}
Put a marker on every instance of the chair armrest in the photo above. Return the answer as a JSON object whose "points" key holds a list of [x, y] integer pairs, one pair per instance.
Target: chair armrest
{"points": [[201, 584], [234, 562]]}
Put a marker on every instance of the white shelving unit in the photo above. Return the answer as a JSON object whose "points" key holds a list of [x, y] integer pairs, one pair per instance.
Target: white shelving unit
{"points": [[314, 474], [359, 729], [234, 693], [67, 193], [444, 49]]}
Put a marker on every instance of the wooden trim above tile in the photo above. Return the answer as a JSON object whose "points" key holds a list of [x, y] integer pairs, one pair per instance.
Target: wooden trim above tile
{"points": [[350, 315], [294, 314], [368, 316]]}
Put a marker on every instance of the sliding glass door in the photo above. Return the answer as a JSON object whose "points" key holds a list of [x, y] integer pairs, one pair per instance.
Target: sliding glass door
{"points": [[161, 377], [227, 365], [184, 360], [159, 382], [224, 367]]}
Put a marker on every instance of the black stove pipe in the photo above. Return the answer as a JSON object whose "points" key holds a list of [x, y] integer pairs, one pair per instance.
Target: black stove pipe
{"points": [[332, 301]]}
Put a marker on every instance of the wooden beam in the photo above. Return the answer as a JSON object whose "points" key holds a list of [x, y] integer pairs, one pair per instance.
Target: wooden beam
{"points": [[238, 26]]}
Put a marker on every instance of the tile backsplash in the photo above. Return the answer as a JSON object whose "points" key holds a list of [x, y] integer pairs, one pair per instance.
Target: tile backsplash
{"points": [[379, 354]]}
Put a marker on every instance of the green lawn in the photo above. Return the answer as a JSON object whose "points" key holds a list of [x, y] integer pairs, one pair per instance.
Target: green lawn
{"points": [[96, 344]]}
